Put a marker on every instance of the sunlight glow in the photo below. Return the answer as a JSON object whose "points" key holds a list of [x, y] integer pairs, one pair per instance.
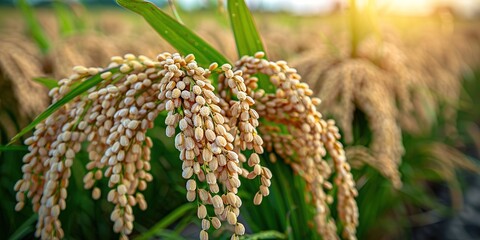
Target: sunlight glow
{"points": [[466, 8]]}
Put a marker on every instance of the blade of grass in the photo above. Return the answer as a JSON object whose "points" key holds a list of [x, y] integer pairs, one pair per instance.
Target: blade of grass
{"points": [[81, 88], [292, 200], [26, 228], [276, 199], [168, 234], [34, 27], [246, 35], [13, 148], [65, 17], [166, 221], [182, 224], [47, 82], [265, 235], [179, 36]]}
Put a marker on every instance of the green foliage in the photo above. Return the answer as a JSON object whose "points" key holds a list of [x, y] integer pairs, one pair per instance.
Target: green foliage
{"points": [[15, 225], [264, 235], [65, 17], [47, 82], [285, 210], [12, 148], [69, 22], [34, 27], [247, 38], [25, 229], [178, 35], [468, 110], [175, 215]]}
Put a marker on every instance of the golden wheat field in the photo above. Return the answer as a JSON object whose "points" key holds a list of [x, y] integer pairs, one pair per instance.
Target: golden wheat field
{"points": [[350, 125]]}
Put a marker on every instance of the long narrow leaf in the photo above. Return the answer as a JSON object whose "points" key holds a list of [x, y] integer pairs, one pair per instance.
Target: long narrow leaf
{"points": [[265, 235], [166, 221], [26, 228], [36, 30], [47, 82], [247, 38], [81, 88], [65, 17], [179, 36], [246, 35], [168, 234], [13, 148]]}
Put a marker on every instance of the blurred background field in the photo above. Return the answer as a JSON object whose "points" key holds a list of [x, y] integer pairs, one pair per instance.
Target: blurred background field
{"points": [[402, 85]]}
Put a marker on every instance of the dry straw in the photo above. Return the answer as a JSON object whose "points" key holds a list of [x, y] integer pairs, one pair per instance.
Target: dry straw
{"points": [[20, 62], [80, 50], [359, 84], [396, 85], [89, 49]]}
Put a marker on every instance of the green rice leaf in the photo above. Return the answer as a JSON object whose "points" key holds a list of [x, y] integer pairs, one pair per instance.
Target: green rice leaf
{"points": [[47, 82], [167, 221], [28, 227], [13, 148], [35, 29], [265, 235], [247, 38], [79, 89], [178, 35], [246, 35], [168, 234], [65, 17]]}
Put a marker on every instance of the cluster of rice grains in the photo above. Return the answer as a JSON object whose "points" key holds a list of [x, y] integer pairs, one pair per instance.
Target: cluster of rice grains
{"points": [[213, 134], [296, 132], [113, 117], [216, 130]]}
